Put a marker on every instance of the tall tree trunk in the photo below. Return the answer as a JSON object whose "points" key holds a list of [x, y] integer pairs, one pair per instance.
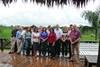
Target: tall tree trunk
{"points": [[98, 61]]}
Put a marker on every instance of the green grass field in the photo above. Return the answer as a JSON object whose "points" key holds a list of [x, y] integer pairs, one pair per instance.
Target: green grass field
{"points": [[88, 37]]}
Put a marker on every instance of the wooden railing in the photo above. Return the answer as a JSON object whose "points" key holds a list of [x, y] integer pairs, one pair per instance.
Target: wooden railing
{"points": [[4, 43]]}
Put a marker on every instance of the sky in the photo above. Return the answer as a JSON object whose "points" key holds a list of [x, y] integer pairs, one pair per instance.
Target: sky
{"points": [[27, 14]]}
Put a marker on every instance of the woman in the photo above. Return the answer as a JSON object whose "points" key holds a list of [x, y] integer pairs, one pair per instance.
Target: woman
{"points": [[27, 41], [51, 41], [44, 37], [36, 42], [64, 41]]}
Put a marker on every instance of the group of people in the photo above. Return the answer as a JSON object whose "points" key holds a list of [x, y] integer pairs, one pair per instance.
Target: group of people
{"points": [[46, 41]]}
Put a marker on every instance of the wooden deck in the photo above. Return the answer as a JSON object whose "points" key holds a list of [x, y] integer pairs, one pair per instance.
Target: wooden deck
{"points": [[15, 60]]}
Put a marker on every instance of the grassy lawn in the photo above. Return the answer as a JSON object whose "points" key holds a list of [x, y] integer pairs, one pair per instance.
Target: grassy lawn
{"points": [[87, 37]]}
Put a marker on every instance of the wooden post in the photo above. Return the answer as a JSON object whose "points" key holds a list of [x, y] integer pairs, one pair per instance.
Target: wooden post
{"points": [[98, 61], [1, 41]]}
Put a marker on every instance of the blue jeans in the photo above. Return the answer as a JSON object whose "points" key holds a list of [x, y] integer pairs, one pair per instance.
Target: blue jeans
{"points": [[26, 46]]}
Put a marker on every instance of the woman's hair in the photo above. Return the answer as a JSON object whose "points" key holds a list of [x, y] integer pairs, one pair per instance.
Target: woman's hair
{"points": [[51, 29], [35, 29], [65, 29], [28, 29], [44, 29]]}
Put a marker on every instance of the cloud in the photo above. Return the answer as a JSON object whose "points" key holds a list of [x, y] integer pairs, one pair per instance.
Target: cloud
{"points": [[29, 14]]}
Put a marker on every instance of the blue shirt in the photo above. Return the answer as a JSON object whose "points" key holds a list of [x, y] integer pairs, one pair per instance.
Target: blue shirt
{"points": [[18, 35], [43, 35]]}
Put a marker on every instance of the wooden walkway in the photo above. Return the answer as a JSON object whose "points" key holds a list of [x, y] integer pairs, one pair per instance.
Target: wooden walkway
{"points": [[15, 60]]}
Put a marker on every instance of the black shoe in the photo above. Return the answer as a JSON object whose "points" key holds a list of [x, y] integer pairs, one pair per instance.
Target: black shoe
{"points": [[18, 53], [11, 52]]}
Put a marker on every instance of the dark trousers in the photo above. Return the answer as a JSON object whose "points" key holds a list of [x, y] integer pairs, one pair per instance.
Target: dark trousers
{"points": [[52, 50], [69, 48], [36, 47], [15, 47], [27, 46], [44, 47], [58, 47], [48, 49], [64, 46]]}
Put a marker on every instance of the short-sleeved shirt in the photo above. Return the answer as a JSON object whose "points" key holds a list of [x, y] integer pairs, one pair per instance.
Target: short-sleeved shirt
{"points": [[58, 33], [74, 34], [64, 35]]}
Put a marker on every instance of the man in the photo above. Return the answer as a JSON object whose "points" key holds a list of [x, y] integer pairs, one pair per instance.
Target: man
{"points": [[19, 40], [58, 32], [75, 40], [13, 40]]}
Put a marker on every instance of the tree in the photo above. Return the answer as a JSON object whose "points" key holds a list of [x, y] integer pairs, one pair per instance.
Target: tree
{"points": [[92, 17]]}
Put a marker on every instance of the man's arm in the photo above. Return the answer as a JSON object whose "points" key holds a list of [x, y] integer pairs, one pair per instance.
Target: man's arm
{"points": [[76, 40]]}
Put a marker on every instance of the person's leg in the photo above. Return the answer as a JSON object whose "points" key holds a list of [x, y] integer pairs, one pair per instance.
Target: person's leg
{"points": [[20, 46], [77, 52], [73, 51], [65, 48], [39, 48], [23, 47], [28, 47], [44, 48], [17, 43], [52, 51], [69, 49], [15, 47], [32, 49], [58, 44], [62, 45], [49, 49], [13, 41]]}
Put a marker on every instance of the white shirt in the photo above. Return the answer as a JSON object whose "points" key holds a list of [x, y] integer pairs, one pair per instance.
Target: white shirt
{"points": [[58, 33], [23, 33], [35, 37], [64, 36]]}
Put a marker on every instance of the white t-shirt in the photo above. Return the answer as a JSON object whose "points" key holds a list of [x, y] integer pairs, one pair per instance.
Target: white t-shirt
{"points": [[35, 37], [58, 33], [64, 36]]}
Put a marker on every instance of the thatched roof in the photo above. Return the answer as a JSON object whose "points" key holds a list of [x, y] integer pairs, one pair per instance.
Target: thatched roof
{"points": [[50, 2]]}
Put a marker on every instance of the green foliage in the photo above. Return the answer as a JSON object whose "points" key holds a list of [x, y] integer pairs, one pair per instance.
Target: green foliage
{"points": [[5, 32], [93, 18]]}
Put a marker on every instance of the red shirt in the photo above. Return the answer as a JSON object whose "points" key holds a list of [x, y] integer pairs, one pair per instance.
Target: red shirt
{"points": [[51, 37]]}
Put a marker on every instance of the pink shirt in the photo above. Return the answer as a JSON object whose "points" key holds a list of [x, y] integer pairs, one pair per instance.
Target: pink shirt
{"points": [[74, 34]]}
